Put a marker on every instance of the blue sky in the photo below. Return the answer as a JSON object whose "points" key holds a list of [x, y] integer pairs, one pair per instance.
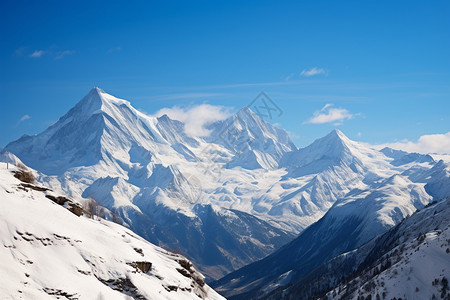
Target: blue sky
{"points": [[376, 70]]}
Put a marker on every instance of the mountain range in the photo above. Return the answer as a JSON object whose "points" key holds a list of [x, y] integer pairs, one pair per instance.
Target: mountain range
{"points": [[241, 194]]}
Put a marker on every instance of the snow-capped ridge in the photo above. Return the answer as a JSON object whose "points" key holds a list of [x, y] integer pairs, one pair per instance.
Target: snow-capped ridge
{"points": [[256, 143], [96, 101], [332, 150], [402, 157]]}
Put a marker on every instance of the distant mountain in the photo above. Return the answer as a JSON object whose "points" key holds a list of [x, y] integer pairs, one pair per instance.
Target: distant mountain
{"points": [[49, 250], [227, 199], [256, 143]]}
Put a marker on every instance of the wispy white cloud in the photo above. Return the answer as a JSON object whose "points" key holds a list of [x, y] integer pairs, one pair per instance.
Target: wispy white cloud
{"points": [[37, 53], [313, 72], [50, 52], [329, 114], [289, 77], [196, 118], [23, 118], [61, 54], [430, 143]]}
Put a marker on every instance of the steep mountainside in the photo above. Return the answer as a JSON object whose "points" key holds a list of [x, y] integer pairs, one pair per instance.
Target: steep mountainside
{"points": [[48, 251], [410, 261]]}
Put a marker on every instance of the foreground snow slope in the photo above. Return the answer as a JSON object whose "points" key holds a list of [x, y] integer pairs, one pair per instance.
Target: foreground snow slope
{"points": [[47, 251]]}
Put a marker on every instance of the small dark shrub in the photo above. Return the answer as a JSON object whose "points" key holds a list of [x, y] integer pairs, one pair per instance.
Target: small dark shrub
{"points": [[24, 176]]}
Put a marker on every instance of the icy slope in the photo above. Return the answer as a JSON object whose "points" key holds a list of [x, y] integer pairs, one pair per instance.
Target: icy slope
{"points": [[47, 251]]}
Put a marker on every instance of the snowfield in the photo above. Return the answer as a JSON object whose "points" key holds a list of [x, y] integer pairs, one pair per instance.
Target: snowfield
{"points": [[47, 251], [410, 261]]}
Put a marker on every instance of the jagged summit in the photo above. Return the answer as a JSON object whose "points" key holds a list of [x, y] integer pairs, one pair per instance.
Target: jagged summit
{"points": [[245, 113], [335, 138], [258, 143], [96, 101], [100, 127], [333, 147], [90, 103]]}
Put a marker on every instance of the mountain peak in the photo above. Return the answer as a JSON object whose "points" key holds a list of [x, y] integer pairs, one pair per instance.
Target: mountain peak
{"points": [[336, 139], [246, 113], [96, 90], [322, 153], [96, 101], [337, 134], [246, 110]]}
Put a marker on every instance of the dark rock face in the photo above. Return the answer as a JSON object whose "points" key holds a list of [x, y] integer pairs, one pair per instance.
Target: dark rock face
{"points": [[24, 176], [73, 207], [123, 285], [188, 270], [144, 266], [76, 209]]}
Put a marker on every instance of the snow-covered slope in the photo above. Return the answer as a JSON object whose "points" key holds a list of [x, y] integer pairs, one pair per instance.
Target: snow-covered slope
{"points": [[410, 261], [245, 183], [353, 220], [48, 252]]}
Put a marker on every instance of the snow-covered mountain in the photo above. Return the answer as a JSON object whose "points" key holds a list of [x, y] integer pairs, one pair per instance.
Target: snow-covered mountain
{"points": [[227, 199], [353, 220], [49, 251], [255, 143], [409, 261]]}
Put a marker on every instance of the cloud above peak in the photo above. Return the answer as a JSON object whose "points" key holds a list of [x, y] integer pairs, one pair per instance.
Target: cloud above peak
{"points": [[330, 114], [430, 143], [196, 118], [22, 119], [313, 72]]}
